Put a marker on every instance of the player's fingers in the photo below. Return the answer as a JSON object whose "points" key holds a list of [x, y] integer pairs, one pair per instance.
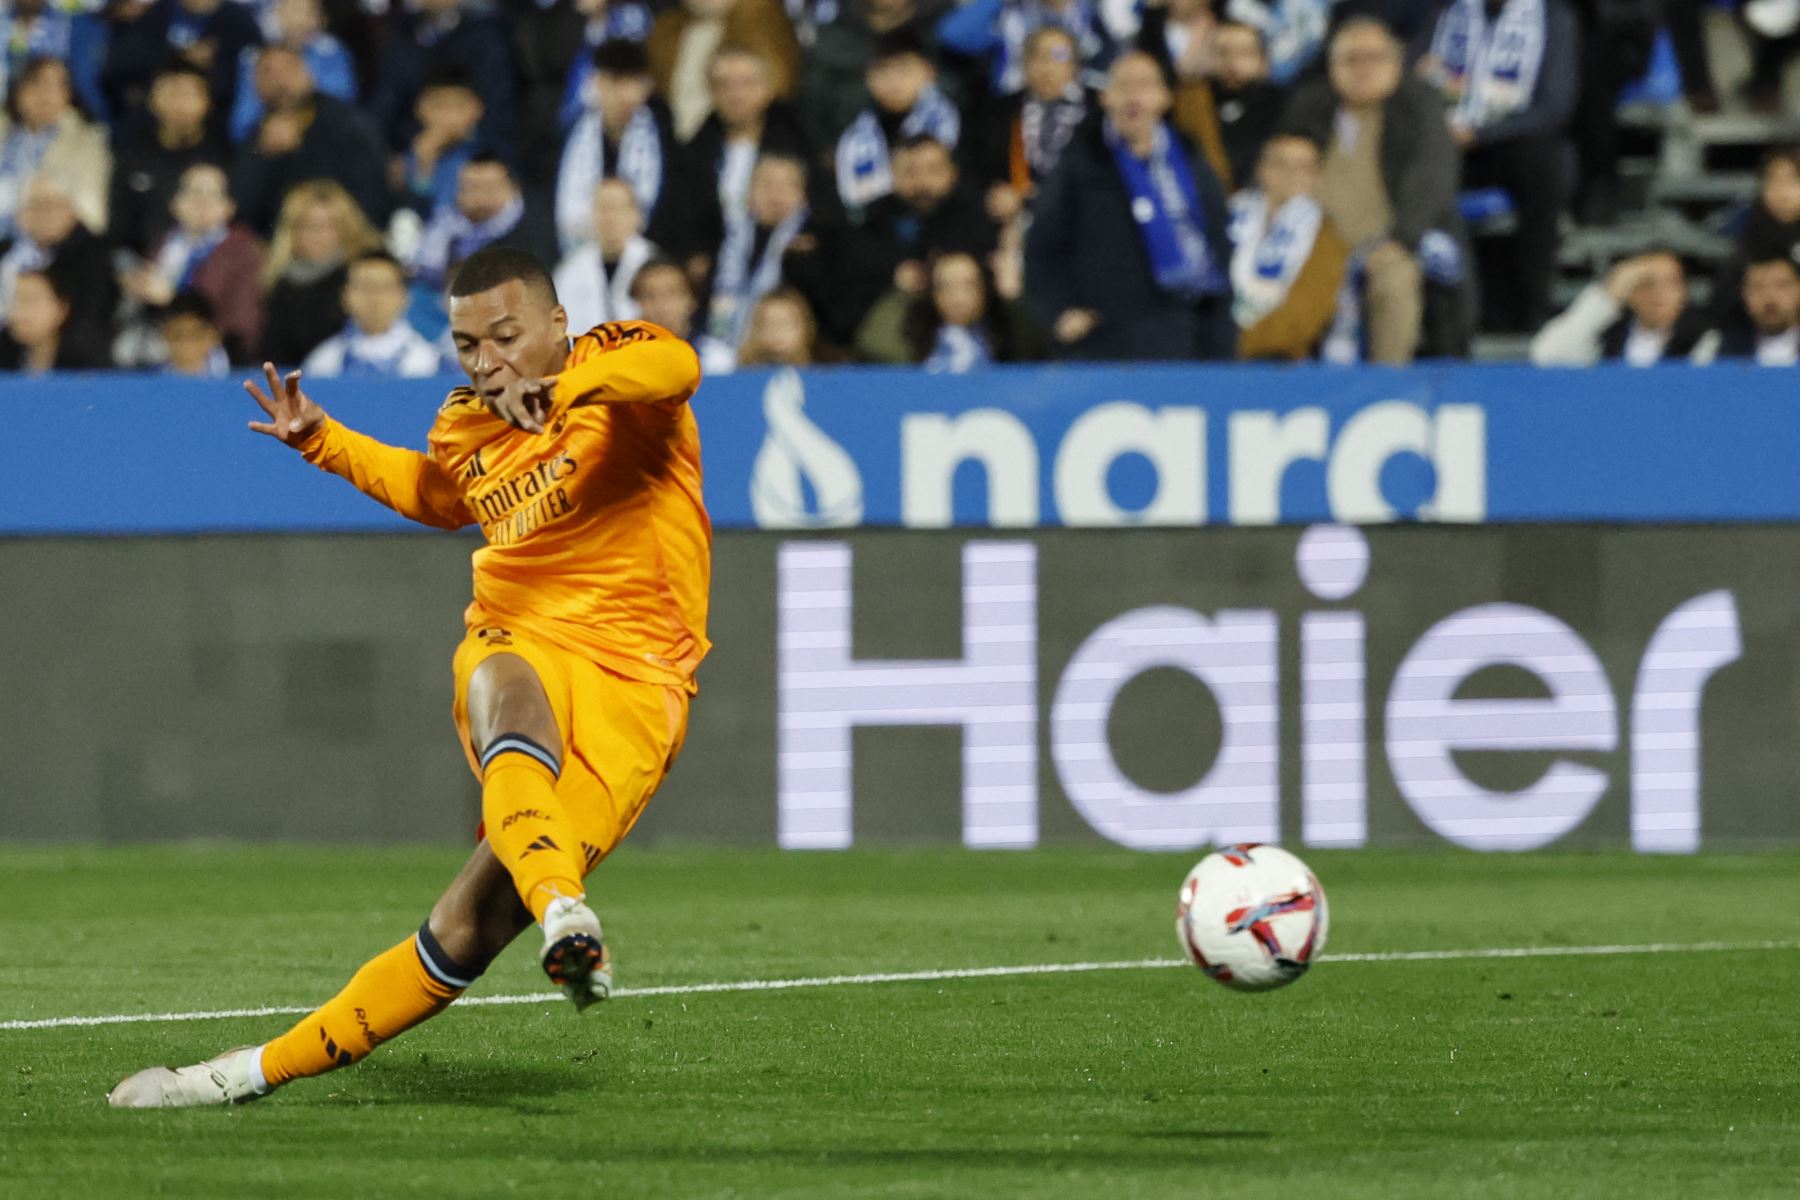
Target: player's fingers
{"points": [[258, 395], [274, 378], [293, 385], [264, 427]]}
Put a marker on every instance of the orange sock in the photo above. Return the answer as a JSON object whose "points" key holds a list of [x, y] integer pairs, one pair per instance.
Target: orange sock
{"points": [[394, 991], [527, 826]]}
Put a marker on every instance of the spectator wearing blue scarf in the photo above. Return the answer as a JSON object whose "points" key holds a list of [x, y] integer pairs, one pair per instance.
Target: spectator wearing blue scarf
{"points": [[1127, 256]]}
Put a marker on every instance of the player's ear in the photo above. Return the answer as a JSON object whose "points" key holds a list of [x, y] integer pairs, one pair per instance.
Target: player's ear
{"points": [[559, 323]]}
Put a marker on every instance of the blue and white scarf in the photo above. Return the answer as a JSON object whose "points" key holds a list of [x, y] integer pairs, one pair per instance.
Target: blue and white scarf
{"points": [[1166, 206], [1489, 69], [639, 162], [738, 283], [21, 153], [1268, 250], [181, 255], [958, 349], [1293, 31], [1045, 128], [1019, 20], [450, 237], [864, 171]]}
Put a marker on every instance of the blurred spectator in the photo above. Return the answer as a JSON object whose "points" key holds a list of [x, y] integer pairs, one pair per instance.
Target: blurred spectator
{"points": [[52, 239], [376, 342], [1292, 32], [152, 151], [683, 40], [300, 26], [1509, 72], [998, 31], [320, 231], [1771, 296], [1287, 260], [1618, 36], [1127, 256], [746, 122], [1772, 230], [928, 213], [960, 323], [208, 253], [1022, 137], [1388, 184], [1229, 108], [304, 136], [43, 131], [196, 348], [63, 30], [907, 103], [1638, 315], [210, 34], [602, 21], [490, 211], [830, 92], [625, 135], [782, 332], [38, 338], [594, 281], [449, 110], [665, 296], [1773, 27], [756, 242], [426, 35]]}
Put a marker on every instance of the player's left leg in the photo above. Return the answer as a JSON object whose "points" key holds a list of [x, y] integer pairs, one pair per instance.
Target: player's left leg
{"points": [[476, 918]]}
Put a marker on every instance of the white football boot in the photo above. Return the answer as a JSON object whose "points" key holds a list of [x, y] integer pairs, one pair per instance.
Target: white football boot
{"points": [[235, 1077], [574, 954]]}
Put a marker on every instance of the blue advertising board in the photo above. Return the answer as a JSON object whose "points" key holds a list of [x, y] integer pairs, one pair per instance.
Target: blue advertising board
{"points": [[1009, 448]]}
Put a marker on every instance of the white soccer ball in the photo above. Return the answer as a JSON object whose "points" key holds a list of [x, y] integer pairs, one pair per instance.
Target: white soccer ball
{"points": [[1252, 917]]}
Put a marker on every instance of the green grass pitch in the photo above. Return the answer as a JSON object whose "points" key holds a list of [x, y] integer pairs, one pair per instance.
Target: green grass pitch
{"points": [[1638, 1076]]}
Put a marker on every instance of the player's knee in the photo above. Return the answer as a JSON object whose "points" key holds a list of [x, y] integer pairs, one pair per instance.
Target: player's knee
{"points": [[506, 697]]}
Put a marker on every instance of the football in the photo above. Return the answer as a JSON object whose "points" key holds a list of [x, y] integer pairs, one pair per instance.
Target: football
{"points": [[1252, 917]]}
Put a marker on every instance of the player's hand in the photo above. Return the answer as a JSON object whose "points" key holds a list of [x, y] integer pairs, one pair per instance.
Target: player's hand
{"points": [[1074, 325], [293, 417], [524, 403]]}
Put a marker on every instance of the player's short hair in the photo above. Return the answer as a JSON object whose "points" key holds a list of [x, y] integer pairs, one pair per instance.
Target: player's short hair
{"points": [[190, 304], [621, 56], [492, 266], [381, 257]]}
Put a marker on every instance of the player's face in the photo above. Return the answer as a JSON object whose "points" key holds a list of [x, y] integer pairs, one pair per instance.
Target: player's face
{"points": [[1050, 67], [374, 297], [956, 290], [1772, 297], [666, 299], [1660, 293], [1365, 66], [1240, 57], [508, 334], [740, 88], [1781, 190]]}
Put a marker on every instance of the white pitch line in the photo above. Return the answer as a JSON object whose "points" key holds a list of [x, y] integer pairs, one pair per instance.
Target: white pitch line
{"points": [[781, 985]]}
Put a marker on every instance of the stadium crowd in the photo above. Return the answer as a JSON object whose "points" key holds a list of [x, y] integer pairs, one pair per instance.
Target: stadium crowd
{"points": [[192, 185]]}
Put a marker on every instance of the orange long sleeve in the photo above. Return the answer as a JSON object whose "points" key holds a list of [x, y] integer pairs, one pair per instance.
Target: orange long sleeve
{"points": [[624, 362], [405, 480]]}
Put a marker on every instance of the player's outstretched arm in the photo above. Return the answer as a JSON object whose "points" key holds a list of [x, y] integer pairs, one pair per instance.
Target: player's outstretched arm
{"points": [[405, 480], [629, 362]]}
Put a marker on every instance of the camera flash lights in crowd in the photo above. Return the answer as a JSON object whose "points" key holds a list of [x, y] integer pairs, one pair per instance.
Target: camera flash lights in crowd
{"points": [[1252, 917]]}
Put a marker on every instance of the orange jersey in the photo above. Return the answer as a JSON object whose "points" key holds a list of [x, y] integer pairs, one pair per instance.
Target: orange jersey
{"points": [[597, 537]]}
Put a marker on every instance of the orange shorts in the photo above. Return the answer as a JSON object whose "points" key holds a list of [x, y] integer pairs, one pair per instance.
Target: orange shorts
{"points": [[619, 736]]}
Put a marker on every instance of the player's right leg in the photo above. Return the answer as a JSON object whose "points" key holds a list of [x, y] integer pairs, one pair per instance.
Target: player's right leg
{"points": [[516, 734]]}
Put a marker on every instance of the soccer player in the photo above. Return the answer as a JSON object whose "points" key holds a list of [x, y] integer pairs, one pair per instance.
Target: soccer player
{"points": [[581, 463]]}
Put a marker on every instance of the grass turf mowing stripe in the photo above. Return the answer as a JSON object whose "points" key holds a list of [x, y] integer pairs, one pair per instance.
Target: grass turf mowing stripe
{"points": [[776, 985]]}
